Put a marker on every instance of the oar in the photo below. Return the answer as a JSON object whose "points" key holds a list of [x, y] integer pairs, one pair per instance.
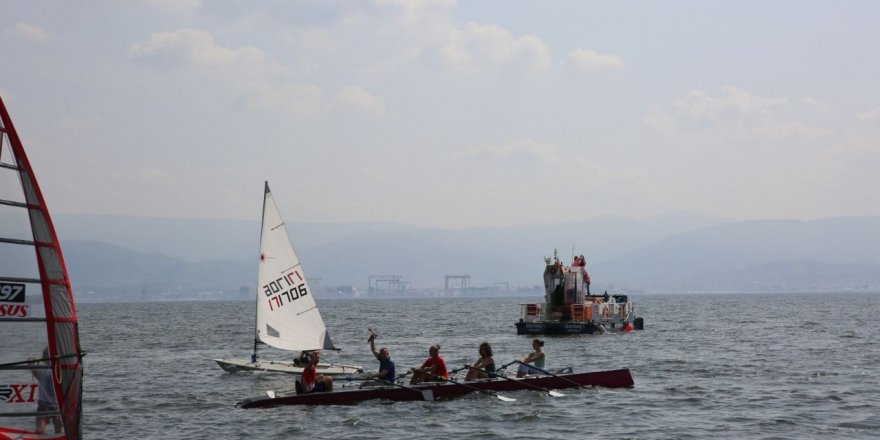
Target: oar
{"points": [[352, 377], [499, 396], [548, 391], [550, 374]]}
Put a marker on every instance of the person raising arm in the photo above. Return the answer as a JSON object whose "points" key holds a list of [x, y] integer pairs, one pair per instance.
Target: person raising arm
{"points": [[386, 365]]}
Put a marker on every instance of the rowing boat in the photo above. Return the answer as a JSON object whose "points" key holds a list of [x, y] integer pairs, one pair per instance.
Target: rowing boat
{"points": [[608, 379]]}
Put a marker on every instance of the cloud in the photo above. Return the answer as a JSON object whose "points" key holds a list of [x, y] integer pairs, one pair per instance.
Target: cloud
{"points": [[432, 37], [869, 115], [737, 113], [589, 60], [526, 148], [251, 72], [197, 47], [353, 97], [174, 5], [29, 32], [414, 12], [247, 69], [542, 160], [492, 46]]}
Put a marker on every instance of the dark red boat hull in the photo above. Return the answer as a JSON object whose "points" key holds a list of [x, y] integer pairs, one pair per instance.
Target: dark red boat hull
{"points": [[608, 379]]}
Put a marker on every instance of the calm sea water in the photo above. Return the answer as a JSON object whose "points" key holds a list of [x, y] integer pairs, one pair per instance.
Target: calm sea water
{"points": [[728, 366]]}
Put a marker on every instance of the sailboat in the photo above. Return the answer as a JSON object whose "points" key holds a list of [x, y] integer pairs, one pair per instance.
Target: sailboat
{"points": [[287, 315], [41, 368]]}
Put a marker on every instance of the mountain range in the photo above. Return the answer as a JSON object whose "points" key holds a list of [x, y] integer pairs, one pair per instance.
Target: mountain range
{"points": [[675, 252]]}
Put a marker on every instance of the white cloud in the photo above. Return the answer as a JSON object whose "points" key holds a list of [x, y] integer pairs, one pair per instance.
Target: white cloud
{"points": [[496, 47], [29, 32], [737, 113], [197, 47], [174, 5], [247, 69], [589, 60], [433, 37], [869, 115], [353, 97], [415, 12], [533, 150]]}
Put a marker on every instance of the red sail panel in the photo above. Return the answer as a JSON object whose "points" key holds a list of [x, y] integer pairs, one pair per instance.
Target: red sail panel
{"points": [[61, 334]]}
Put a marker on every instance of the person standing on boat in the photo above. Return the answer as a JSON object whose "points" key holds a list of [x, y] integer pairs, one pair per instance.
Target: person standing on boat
{"points": [[433, 368], [582, 262], [311, 381], [386, 365], [485, 363], [535, 358]]}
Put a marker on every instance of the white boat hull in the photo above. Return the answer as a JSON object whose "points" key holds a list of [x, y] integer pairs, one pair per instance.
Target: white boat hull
{"points": [[237, 365]]}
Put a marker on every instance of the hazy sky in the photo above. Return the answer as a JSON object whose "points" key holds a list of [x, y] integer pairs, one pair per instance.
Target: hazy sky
{"points": [[451, 114]]}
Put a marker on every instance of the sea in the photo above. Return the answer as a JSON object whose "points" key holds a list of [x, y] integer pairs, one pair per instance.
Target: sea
{"points": [[751, 366]]}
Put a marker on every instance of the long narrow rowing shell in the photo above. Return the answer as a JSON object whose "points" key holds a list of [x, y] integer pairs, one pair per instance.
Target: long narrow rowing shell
{"points": [[608, 379]]}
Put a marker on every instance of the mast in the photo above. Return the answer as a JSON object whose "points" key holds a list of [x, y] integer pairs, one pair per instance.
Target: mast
{"points": [[256, 311]]}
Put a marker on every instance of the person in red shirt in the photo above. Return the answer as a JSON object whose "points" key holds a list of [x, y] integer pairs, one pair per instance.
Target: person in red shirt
{"points": [[433, 369], [312, 382]]}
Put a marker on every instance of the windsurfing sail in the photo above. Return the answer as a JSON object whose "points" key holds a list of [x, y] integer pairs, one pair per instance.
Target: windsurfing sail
{"points": [[287, 315], [40, 357]]}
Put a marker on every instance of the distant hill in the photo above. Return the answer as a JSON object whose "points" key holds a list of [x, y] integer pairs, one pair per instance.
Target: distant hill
{"points": [[768, 253], [675, 252], [200, 239], [98, 266]]}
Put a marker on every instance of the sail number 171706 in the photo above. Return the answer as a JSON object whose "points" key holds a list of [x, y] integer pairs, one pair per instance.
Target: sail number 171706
{"points": [[290, 286]]}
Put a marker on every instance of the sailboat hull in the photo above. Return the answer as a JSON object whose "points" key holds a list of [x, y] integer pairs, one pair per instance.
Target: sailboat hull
{"points": [[240, 365]]}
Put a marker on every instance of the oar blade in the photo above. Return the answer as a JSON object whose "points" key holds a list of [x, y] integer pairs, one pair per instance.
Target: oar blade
{"points": [[505, 398], [555, 393], [428, 395]]}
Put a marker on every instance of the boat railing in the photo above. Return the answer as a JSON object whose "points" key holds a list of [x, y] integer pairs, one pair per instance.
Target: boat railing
{"points": [[531, 312]]}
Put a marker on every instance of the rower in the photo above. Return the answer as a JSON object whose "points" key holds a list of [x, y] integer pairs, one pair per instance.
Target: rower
{"points": [[536, 357], [433, 368], [312, 382], [386, 365]]}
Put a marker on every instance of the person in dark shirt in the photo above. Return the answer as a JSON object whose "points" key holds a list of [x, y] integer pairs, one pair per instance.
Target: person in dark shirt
{"points": [[386, 365]]}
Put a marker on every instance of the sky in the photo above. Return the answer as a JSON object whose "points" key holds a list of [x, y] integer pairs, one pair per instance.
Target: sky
{"points": [[448, 114]]}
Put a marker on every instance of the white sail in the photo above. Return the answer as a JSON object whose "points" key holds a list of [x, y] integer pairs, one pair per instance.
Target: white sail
{"points": [[287, 316]]}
